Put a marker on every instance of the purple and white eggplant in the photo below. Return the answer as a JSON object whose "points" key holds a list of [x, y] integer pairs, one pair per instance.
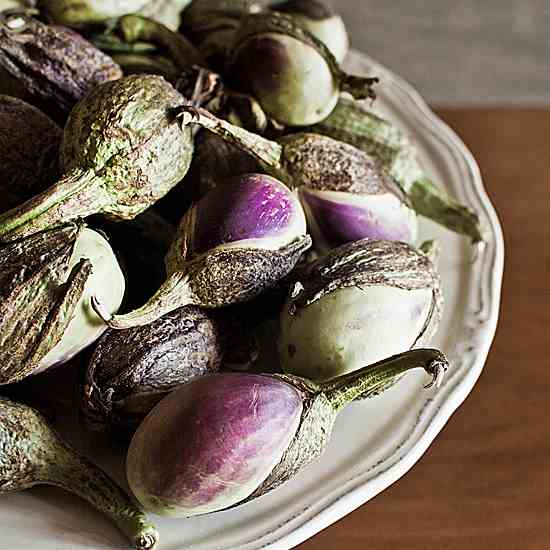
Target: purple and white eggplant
{"points": [[346, 193], [336, 217], [225, 439], [132, 370], [235, 243], [351, 122], [362, 302]]}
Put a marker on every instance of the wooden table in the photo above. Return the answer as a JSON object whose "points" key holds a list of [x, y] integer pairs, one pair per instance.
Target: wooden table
{"points": [[484, 483]]}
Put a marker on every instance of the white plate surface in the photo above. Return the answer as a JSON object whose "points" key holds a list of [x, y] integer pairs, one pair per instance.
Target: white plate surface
{"points": [[374, 442]]}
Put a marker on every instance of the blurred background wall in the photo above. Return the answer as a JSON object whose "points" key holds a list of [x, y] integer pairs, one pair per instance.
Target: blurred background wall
{"points": [[459, 52]]}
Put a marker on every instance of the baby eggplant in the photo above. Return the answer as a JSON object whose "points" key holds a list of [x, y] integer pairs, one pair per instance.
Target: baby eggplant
{"points": [[122, 150], [291, 73], [351, 122], [345, 192], [358, 304], [224, 439], [32, 453], [131, 370], [239, 240], [45, 285]]}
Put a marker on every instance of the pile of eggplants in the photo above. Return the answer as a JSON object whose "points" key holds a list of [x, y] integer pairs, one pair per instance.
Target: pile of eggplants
{"points": [[202, 221]]}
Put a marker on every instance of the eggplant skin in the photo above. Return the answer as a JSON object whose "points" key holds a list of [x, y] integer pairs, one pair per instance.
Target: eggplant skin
{"points": [[131, 370], [210, 444], [29, 151]]}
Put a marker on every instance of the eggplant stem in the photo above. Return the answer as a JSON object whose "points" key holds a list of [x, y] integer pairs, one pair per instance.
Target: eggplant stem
{"points": [[437, 377], [267, 152], [430, 201], [77, 195], [134, 28], [78, 475], [348, 387], [172, 295]]}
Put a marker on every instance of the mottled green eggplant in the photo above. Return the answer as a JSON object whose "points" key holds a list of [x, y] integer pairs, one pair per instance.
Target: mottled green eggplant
{"points": [[122, 150]]}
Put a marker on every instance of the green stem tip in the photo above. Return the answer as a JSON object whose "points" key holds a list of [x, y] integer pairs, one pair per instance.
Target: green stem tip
{"points": [[80, 476], [344, 389], [172, 295]]}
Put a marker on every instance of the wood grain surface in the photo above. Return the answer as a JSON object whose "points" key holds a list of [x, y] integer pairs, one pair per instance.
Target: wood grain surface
{"points": [[484, 484]]}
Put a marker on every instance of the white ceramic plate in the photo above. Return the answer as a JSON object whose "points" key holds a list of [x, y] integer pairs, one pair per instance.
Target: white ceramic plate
{"points": [[375, 442]]}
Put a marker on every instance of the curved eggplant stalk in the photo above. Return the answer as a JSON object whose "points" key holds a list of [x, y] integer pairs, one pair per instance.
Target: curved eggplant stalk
{"points": [[32, 453]]}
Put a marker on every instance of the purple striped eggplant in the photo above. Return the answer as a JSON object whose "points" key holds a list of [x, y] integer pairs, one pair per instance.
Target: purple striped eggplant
{"points": [[351, 122], [358, 304], [236, 242], [225, 439]]}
